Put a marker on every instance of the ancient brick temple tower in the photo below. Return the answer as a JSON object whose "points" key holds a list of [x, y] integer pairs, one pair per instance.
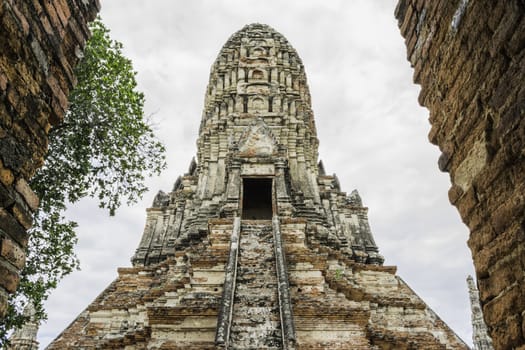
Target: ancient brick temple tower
{"points": [[256, 247]]}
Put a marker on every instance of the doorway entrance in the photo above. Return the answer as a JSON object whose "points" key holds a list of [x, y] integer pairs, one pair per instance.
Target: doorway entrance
{"points": [[257, 199]]}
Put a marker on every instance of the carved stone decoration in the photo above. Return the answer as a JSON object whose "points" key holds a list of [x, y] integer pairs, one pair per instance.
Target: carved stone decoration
{"points": [[160, 200], [257, 141], [257, 248]]}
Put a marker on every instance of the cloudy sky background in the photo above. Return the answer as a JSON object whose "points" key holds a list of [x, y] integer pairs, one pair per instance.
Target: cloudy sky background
{"points": [[372, 134]]}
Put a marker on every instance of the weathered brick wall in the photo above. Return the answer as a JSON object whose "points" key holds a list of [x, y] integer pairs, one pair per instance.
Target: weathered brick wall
{"points": [[175, 304], [40, 44], [469, 58]]}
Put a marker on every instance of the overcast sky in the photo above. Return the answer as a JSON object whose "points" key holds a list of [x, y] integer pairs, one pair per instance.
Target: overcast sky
{"points": [[372, 134]]}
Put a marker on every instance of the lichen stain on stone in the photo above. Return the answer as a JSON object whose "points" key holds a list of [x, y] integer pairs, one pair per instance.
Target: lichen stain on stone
{"points": [[473, 163], [458, 15]]}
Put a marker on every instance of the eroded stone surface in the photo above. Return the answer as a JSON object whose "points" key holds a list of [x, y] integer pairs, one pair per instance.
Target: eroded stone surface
{"points": [[469, 58], [256, 304], [310, 278], [39, 46]]}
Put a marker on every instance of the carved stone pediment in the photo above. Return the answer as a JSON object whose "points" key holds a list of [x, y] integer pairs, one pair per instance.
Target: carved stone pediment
{"points": [[257, 141]]}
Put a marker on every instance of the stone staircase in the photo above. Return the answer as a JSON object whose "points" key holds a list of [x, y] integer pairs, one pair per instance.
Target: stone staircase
{"points": [[256, 319]]}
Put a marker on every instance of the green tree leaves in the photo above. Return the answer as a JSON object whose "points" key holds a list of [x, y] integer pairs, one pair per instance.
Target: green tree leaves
{"points": [[105, 148]]}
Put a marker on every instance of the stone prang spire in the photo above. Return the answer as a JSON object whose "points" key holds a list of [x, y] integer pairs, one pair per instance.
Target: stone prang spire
{"points": [[480, 335], [256, 247], [257, 125]]}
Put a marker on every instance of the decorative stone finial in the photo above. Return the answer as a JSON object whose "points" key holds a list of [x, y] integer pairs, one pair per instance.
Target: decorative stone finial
{"points": [[25, 338], [355, 199], [480, 336], [161, 199]]}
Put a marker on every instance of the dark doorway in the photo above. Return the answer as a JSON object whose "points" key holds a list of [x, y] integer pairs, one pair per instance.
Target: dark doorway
{"points": [[257, 199]]}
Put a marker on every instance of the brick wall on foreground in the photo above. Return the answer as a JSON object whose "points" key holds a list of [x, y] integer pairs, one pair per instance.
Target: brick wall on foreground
{"points": [[469, 58], [40, 44]]}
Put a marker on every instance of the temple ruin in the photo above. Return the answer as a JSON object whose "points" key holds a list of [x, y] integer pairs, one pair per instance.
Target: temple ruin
{"points": [[256, 246]]}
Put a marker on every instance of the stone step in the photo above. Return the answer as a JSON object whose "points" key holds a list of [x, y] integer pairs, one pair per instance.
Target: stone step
{"points": [[256, 348], [256, 320]]}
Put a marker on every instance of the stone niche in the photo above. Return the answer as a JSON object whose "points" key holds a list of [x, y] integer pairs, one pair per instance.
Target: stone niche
{"points": [[257, 198]]}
